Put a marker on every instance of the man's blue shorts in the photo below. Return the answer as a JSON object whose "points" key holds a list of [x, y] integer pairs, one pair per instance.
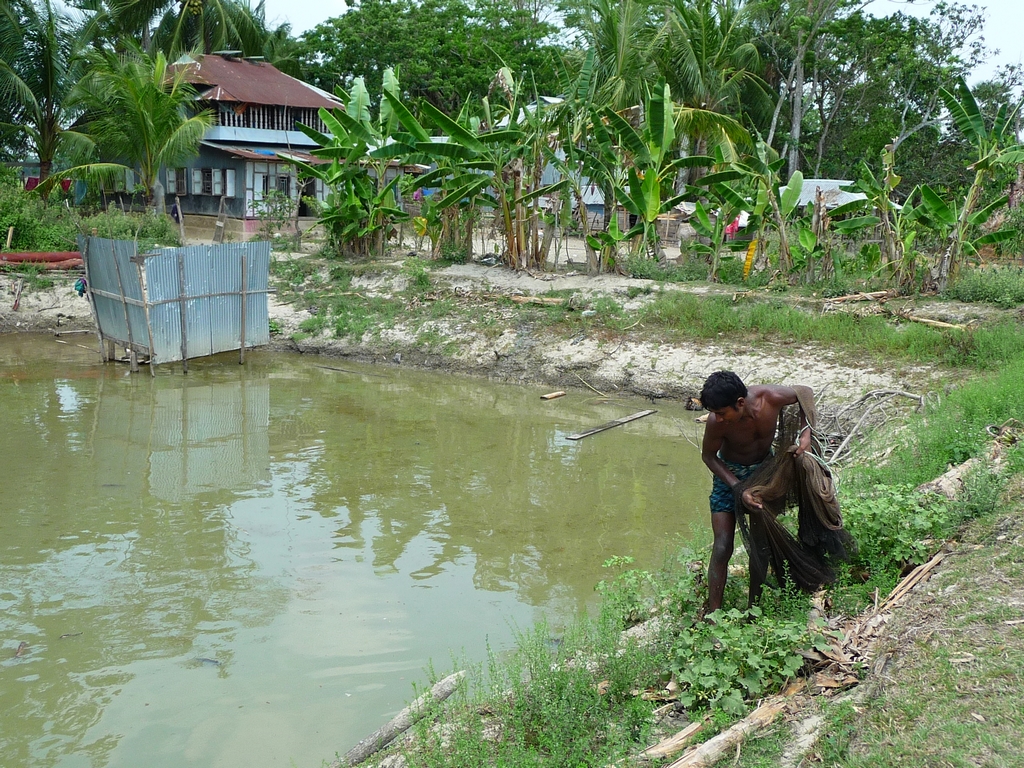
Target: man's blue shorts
{"points": [[722, 498]]}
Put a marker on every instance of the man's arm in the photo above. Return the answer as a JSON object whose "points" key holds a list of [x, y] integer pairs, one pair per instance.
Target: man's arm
{"points": [[710, 447], [783, 396]]}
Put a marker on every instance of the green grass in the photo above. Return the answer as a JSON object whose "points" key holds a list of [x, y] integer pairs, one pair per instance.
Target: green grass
{"points": [[954, 429], [697, 317], [1002, 286]]}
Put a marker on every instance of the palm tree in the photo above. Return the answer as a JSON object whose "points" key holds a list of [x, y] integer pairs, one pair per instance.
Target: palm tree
{"points": [[41, 57], [178, 26], [624, 38], [712, 65], [139, 111]]}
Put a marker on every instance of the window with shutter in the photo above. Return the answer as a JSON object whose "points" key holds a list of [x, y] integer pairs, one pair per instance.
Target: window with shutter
{"points": [[229, 182], [197, 181]]}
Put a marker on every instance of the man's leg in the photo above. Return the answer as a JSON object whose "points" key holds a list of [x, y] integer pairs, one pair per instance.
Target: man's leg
{"points": [[723, 525]]}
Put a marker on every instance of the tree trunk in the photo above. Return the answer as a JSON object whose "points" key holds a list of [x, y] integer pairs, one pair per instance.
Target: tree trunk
{"points": [[797, 113]]}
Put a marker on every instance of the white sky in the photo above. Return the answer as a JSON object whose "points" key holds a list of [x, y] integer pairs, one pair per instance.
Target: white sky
{"points": [[1004, 28]]}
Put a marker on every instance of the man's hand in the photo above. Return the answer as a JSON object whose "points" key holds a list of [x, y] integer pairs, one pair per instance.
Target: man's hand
{"points": [[804, 443], [752, 501]]}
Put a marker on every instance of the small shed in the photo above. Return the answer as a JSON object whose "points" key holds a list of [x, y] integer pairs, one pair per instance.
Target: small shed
{"points": [[174, 304]]}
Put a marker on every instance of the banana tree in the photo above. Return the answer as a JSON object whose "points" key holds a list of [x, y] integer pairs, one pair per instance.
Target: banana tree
{"points": [[944, 217], [361, 206], [898, 224], [993, 146], [761, 170], [495, 161], [711, 222], [651, 164], [769, 200]]}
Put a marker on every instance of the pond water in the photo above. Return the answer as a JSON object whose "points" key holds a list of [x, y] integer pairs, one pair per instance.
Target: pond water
{"points": [[253, 565]]}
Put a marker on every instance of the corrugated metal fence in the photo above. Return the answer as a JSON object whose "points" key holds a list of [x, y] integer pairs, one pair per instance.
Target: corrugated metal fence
{"points": [[178, 303]]}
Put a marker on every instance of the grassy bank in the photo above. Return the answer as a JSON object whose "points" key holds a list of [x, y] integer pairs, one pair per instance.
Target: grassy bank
{"points": [[671, 314], [588, 698]]}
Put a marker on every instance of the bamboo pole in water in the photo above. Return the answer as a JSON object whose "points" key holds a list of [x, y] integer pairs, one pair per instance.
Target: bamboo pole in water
{"points": [[401, 722]]}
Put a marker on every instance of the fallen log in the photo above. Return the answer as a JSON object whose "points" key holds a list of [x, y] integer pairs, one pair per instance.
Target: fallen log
{"points": [[872, 296], [673, 744], [544, 301], [711, 751], [401, 722]]}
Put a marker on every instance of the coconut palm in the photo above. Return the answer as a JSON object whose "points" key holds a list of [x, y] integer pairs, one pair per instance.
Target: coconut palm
{"points": [[41, 59], [177, 26], [139, 112], [624, 37], [712, 65]]}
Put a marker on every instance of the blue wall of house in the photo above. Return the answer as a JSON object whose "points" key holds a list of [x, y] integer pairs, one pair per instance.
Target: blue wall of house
{"points": [[209, 205]]}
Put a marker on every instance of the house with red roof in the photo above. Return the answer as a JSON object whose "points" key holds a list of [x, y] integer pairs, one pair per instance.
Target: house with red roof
{"points": [[252, 146]]}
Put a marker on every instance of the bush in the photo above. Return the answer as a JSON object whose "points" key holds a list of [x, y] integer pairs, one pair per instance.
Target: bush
{"points": [[52, 226], [721, 665], [1002, 286], [896, 526], [38, 226], [150, 229], [642, 267]]}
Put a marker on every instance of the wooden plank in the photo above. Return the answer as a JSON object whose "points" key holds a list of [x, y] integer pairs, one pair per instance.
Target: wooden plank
{"points": [[612, 424], [552, 395]]}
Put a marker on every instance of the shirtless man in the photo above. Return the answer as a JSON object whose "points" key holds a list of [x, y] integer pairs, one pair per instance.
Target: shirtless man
{"points": [[738, 436]]}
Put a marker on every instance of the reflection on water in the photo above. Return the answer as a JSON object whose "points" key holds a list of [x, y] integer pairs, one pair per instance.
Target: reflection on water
{"points": [[253, 565]]}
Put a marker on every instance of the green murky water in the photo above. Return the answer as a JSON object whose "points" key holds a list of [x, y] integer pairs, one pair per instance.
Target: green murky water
{"points": [[251, 565]]}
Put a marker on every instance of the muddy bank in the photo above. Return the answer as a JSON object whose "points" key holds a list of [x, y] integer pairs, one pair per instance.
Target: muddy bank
{"points": [[494, 341], [632, 362]]}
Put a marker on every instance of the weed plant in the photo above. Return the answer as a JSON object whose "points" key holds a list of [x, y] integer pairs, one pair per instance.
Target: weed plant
{"points": [[953, 430], [1002, 286], [651, 269]]}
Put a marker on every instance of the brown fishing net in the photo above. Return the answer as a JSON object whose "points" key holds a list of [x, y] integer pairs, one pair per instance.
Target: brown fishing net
{"points": [[782, 482]]}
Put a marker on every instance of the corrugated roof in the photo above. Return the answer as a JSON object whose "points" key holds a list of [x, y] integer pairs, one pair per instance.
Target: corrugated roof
{"points": [[830, 191], [267, 155], [251, 82]]}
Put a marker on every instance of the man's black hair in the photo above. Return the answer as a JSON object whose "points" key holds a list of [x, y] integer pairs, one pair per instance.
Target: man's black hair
{"points": [[721, 390]]}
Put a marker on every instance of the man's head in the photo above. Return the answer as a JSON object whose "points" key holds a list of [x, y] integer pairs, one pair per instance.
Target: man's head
{"points": [[723, 394]]}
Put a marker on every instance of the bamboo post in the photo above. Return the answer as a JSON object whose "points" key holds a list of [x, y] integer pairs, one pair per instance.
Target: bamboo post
{"points": [[149, 324], [181, 311], [92, 301], [10, 236]]}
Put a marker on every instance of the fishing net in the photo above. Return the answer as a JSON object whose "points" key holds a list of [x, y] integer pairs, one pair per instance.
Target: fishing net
{"points": [[785, 481]]}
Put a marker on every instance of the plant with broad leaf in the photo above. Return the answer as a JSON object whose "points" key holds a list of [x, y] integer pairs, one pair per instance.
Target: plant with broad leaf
{"points": [[496, 161], [650, 162], [361, 206], [994, 146]]}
